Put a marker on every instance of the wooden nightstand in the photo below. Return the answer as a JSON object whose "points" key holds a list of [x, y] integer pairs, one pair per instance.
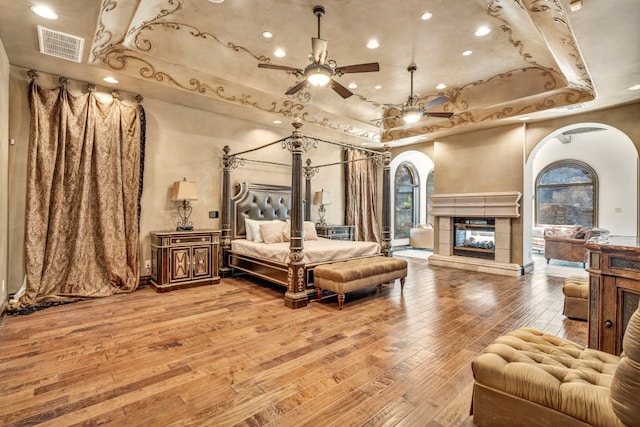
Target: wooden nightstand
{"points": [[335, 232], [181, 259]]}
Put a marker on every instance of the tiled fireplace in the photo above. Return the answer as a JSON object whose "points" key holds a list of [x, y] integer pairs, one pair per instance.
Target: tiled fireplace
{"points": [[474, 231]]}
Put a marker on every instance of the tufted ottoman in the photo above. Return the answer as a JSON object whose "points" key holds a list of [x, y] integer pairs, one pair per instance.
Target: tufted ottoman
{"points": [[576, 297], [527, 378], [348, 276]]}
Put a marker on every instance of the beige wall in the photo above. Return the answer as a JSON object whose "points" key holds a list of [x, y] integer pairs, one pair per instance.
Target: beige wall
{"points": [[483, 161], [4, 175], [181, 142]]}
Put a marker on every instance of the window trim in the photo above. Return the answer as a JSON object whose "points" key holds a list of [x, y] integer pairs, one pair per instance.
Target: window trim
{"points": [[563, 163]]}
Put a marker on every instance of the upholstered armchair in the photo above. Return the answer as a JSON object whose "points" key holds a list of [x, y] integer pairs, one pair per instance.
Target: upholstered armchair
{"points": [[528, 378], [421, 236]]}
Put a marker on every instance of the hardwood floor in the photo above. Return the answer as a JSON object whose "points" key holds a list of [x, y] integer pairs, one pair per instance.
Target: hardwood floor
{"points": [[233, 354]]}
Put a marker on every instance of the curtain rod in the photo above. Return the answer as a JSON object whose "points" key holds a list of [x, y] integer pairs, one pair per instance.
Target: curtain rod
{"points": [[91, 87]]}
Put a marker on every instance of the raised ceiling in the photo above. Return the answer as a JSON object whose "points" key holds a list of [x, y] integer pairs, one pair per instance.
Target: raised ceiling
{"points": [[540, 59]]}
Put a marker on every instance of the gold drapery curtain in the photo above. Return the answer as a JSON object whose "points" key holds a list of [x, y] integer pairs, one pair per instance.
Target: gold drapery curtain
{"points": [[83, 179], [361, 196]]}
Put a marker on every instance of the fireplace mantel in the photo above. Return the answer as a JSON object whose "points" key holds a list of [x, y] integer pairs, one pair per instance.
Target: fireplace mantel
{"points": [[489, 205], [501, 206]]}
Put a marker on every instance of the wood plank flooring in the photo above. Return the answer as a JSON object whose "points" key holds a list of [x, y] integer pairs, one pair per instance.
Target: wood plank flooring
{"points": [[233, 355]]}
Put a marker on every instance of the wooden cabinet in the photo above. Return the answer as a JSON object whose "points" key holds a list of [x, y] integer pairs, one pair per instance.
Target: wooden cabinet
{"points": [[614, 290], [181, 259], [335, 232]]}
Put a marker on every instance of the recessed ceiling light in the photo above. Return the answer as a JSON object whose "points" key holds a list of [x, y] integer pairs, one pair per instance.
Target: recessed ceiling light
{"points": [[352, 86], [373, 44], [467, 52], [378, 87], [482, 31], [44, 12], [441, 86], [635, 87], [280, 53], [216, 1], [277, 122], [267, 34], [110, 79], [426, 16]]}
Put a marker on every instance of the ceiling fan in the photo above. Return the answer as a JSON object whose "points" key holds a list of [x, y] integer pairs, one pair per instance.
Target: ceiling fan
{"points": [[321, 71], [410, 111]]}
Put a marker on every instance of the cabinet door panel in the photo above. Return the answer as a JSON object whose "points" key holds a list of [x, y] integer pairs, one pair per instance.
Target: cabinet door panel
{"points": [[180, 263], [201, 260]]}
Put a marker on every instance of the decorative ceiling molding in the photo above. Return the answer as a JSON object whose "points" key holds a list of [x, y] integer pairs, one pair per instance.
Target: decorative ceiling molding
{"points": [[128, 39], [513, 93], [114, 53]]}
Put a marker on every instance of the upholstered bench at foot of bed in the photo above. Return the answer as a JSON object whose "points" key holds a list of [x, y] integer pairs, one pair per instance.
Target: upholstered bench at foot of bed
{"points": [[348, 276]]}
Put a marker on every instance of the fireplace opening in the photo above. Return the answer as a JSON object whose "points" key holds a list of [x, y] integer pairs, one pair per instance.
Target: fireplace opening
{"points": [[475, 237]]}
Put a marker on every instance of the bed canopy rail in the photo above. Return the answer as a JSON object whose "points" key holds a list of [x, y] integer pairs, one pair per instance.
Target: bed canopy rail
{"points": [[297, 144]]}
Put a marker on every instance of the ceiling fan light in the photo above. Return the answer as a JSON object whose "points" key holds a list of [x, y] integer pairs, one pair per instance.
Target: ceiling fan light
{"points": [[412, 117], [318, 76]]}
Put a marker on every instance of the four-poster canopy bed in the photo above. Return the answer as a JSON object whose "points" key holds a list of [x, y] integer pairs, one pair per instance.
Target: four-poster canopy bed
{"points": [[289, 264]]}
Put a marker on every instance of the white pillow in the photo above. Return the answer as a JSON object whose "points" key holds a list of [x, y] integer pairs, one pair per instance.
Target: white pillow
{"points": [[253, 228], [248, 229], [272, 231], [286, 231], [308, 231]]}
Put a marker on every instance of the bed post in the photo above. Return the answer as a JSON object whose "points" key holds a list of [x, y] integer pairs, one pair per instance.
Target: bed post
{"points": [[296, 296], [227, 165], [309, 172], [386, 203]]}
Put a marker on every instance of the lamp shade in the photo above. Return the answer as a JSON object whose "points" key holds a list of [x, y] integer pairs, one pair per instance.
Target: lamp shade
{"points": [[184, 190], [322, 197]]}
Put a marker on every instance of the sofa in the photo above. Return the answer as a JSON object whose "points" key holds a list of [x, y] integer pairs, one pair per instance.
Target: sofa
{"points": [[421, 236], [567, 243], [528, 378]]}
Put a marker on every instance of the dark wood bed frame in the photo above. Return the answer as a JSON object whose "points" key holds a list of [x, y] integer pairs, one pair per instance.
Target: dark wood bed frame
{"points": [[285, 202]]}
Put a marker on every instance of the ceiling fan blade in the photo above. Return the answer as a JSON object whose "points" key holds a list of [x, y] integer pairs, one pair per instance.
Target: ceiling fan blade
{"points": [[295, 88], [341, 90], [395, 107], [319, 49], [439, 100], [386, 118], [443, 115], [359, 68], [279, 67]]}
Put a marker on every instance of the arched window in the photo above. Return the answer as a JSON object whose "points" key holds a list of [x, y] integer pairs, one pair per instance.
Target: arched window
{"points": [[406, 199], [430, 191], [567, 194]]}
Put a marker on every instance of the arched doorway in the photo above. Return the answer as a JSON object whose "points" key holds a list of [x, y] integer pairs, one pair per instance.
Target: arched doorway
{"points": [[613, 157], [423, 166]]}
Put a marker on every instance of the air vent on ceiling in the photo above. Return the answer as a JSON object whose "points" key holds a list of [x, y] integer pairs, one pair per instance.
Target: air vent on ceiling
{"points": [[574, 107], [60, 45]]}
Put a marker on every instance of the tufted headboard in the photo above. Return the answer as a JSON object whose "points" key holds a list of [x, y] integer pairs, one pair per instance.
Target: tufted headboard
{"points": [[258, 201]]}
